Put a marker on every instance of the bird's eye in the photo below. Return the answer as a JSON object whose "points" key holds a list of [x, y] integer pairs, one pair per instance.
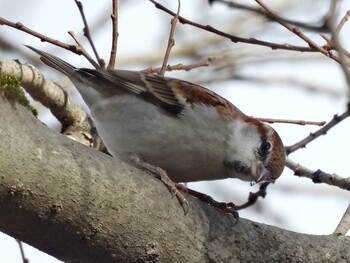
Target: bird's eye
{"points": [[264, 148]]}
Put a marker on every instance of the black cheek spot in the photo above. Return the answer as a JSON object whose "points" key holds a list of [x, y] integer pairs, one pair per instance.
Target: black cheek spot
{"points": [[237, 166]]}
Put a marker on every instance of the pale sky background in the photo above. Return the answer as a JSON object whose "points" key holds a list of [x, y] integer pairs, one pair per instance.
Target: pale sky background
{"points": [[292, 203]]}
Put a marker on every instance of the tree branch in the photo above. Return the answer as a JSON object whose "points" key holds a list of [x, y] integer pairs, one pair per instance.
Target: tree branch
{"points": [[234, 38], [322, 131], [87, 33], [319, 176], [344, 224], [171, 40], [318, 26], [115, 35], [75, 122], [80, 205]]}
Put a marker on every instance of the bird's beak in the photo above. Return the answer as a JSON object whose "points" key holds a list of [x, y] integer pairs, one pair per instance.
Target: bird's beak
{"points": [[260, 173]]}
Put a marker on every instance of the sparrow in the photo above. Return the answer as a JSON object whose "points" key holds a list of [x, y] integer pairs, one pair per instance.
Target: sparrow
{"points": [[189, 131]]}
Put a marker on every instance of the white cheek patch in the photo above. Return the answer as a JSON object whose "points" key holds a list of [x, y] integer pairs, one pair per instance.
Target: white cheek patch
{"points": [[243, 142]]}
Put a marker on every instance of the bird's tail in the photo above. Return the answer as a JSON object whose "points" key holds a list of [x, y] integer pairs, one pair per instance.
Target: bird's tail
{"points": [[56, 63]]}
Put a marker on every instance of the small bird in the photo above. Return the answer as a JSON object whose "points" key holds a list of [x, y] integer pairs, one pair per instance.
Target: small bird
{"points": [[189, 131]]}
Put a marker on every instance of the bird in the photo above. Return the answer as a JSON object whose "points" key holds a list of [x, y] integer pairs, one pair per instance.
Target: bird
{"points": [[189, 131]]}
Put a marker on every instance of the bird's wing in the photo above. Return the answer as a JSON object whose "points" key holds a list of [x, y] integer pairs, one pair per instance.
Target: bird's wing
{"points": [[171, 94]]}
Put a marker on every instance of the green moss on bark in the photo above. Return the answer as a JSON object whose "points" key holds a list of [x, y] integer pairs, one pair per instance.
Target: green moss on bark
{"points": [[10, 88]]}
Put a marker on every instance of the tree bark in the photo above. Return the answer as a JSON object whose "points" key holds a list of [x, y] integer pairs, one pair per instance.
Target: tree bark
{"points": [[80, 205]]}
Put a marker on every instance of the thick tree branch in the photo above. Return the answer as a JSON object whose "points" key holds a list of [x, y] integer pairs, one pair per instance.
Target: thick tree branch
{"points": [[80, 205], [74, 120]]}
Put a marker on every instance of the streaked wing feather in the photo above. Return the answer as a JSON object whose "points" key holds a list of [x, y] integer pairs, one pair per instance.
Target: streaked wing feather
{"points": [[173, 95], [150, 87], [114, 79]]}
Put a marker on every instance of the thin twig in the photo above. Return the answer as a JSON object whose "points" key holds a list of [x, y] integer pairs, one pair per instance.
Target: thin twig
{"points": [[344, 224], [86, 31], [77, 49], [180, 66], [233, 38], [299, 122], [20, 244], [301, 144], [330, 45], [337, 45], [297, 32], [171, 41], [115, 35], [83, 51], [342, 23], [318, 176], [42, 37], [320, 27]]}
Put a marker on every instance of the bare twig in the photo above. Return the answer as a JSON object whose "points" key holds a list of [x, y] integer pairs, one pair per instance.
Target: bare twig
{"points": [[336, 119], [337, 45], [319, 176], [83, 51], [233, 38], [344, 224], [171, 41], [42, 37], [86, 31], [330, 45], [313, 27], [115, 35], [181, 66], [297, 32], [20, 244], [299, 122], [342, 23], [75, 49]]}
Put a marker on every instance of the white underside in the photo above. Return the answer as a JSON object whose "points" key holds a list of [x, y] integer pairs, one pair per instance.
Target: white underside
{"points": [[182, 146]]}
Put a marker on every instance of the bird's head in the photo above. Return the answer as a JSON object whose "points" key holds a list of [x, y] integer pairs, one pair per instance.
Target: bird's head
{"points": [[255, 152]]}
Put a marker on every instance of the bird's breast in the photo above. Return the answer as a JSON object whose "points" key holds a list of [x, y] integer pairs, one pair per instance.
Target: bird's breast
{"points": [[189, 146]]}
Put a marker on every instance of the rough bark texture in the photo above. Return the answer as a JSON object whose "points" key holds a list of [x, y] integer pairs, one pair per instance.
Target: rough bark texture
{"points": [[80, 205]]}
